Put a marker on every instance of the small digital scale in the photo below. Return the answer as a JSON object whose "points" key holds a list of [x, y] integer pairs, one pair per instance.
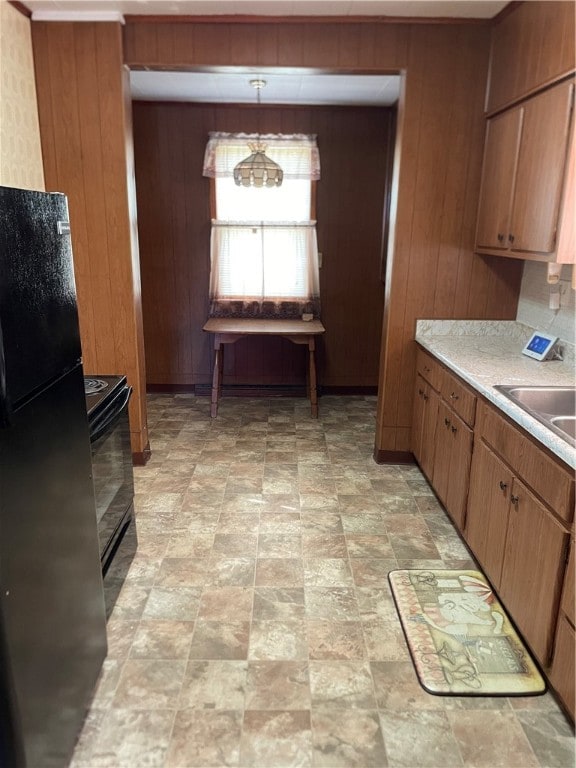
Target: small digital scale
{"points": [[540, 346]]}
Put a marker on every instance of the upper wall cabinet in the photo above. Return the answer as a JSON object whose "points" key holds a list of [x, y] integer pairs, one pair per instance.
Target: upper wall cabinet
{"points": [[524, 189], [532, 46]]}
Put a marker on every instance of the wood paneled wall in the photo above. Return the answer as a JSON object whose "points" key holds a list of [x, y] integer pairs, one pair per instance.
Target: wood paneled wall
{"points": [[174, 226], [85, 127], [431, 270]]}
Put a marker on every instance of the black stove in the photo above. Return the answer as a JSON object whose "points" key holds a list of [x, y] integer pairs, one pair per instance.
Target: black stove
{"points": [[107, 399], [91, 386], [99, 390]]}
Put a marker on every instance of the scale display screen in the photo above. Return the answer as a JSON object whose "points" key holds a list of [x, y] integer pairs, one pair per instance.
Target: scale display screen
{"points": [[539, 345]]}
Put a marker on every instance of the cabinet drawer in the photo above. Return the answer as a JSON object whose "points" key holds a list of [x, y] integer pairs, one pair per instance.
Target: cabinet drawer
{"points": [[568, 598], [562, 671], [461, 399], [428, 368], [552, 481]]}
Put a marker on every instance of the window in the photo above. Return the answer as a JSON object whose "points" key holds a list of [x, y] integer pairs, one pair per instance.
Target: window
{"points": [[264, 257]]}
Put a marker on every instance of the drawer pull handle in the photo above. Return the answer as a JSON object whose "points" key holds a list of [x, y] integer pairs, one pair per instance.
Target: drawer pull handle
{"points": [[426, 369], [420, 392], [515, 500], [454, 430], [500, 237], [503, 485], [425, 397], [511, 238], [447, 422], [454, 396]]}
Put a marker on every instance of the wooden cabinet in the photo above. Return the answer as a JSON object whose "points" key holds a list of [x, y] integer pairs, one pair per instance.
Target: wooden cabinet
{"points": [[523, 177], [488, 510], [501, 148], [531, 47], [424, 421], [441, 438], [518, 538], [452, 462], [533, 569], [562, 671], [513, 502]]}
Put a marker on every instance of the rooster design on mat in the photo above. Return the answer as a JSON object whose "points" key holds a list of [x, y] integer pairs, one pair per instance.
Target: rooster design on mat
{"points": [[464, 613]]}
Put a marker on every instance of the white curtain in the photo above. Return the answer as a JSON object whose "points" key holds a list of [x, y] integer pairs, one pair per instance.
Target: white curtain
{"points": [[264, 260], [264, 253]]}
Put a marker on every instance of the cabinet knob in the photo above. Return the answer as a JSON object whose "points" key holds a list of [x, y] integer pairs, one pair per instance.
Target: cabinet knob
{"points": [[454, 396], [500, 237], [454, 430], [425, 397], [503, 485], [515, 500], [510, 238], [426, 369], [420, 392], [447, 422]]}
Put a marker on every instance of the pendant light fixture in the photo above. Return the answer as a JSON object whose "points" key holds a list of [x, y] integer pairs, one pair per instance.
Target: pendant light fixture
{"points": [[258, 170]]}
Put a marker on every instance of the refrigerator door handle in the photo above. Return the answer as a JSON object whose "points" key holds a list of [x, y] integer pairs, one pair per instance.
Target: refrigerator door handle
{"points": [[5, 410]]}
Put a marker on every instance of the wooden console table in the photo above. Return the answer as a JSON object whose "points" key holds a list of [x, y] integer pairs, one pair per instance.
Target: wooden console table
{"points": [[229, 330]]}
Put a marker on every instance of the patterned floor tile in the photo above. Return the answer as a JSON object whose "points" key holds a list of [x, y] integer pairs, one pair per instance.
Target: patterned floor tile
{"points": [[256, 628]]}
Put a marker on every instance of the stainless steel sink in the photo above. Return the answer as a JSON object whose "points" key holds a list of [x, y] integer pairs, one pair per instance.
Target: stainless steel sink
{"points": [[553, 406], [566, 424]]}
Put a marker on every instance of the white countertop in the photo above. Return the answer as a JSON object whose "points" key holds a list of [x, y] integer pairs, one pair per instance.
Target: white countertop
{"points": [[484, 353]]}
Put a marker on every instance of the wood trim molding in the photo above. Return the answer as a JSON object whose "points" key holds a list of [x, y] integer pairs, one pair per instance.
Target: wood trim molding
{"points": [[352, 390], [393, 457], [506, 11], [524, 97], [141, 458], [263, 390], [24, 10], [246, 19]]}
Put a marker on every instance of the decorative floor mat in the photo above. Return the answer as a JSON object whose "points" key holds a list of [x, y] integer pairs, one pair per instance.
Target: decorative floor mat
{"points": [[460, 638]]}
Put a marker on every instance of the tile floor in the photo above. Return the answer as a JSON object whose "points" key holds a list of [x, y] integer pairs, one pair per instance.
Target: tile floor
{"points": [[256, 627]]}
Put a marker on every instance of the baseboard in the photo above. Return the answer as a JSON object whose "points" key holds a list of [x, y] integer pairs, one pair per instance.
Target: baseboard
{"points": [[365, 391], [259, 390], [393, 457], [170, 388], [254, 390], [140, 459]]}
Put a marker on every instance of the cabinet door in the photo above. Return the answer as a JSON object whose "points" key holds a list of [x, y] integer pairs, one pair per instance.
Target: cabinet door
{"points": [[431, 402], [534, 563], [540, 173], [418, 418], [500, 157], [424, 416], [443, 448], [461, 438], [568, 593], [488, 503]]}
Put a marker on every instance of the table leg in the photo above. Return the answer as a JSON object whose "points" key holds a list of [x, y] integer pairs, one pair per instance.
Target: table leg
{"points": [[312, 377], [217, 376]]}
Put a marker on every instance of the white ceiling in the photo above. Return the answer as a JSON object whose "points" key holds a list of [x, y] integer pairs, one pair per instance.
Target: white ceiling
{"points": [[483, 9], [289, 88], [282, 88]]}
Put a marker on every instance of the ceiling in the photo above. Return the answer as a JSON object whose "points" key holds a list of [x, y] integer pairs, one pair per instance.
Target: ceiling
{"points": [[288, 87], [483, 9]]}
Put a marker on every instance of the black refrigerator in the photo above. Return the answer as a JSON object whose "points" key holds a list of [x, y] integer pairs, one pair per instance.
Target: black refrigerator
{"points": [[52, 616]]}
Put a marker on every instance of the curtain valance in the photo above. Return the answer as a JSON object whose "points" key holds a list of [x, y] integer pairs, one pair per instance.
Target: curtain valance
{"points": [[297, 154]]}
